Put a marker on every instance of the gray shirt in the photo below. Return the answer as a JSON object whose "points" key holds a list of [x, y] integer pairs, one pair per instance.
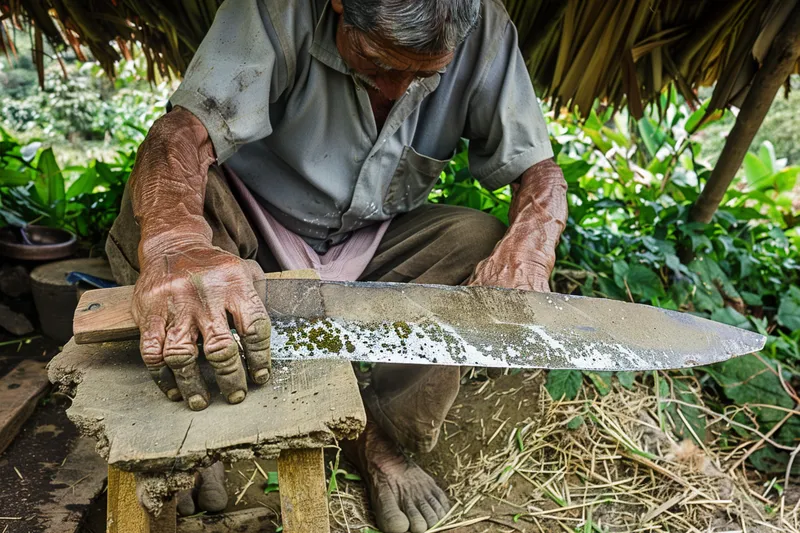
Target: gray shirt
{"points": [[285, 113]]}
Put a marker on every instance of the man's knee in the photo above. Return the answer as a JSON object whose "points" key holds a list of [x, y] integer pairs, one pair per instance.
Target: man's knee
{"points": [[475, 234]]}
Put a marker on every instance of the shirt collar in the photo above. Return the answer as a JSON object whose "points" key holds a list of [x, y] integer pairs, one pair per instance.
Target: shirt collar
{"points": [[324, 45]]}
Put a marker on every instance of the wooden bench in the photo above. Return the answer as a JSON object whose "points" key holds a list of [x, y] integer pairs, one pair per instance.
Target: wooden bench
{"points": [[306, 405]]}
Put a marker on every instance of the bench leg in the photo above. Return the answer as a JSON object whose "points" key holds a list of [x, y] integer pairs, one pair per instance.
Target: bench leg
{"points": [[125, 515], [304, 503]]}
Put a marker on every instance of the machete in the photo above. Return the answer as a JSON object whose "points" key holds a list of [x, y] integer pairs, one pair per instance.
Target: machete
{"points": [[480, 326]]}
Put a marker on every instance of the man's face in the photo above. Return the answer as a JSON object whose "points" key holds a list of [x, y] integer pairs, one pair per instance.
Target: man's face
{"points": [[385, 67]]}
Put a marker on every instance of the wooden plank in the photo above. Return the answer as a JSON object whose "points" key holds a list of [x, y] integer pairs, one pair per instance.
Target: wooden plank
{"points": [[104, 315], [167, 520], [19, 392], [80, 479], [125, 515], [304, 504], [253, 520]]}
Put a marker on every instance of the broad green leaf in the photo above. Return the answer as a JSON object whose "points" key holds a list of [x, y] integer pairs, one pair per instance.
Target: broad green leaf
{"points": [[771, 461], [786, 179], [766, 153], [575, 422], [575, 170], [626, 379], [564, 384], [648, 134], [83, 185], [601, 381], [14, 178], [730, 316], [789, 309], [620, 269], [755, 171], [747, 380], [713, 285], [50, 184], [644, 282], [695, 118]]}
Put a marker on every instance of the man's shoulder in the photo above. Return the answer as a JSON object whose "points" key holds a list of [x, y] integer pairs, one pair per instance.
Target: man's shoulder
{"points": [[293, 20], [480, 47], [494, 16]]}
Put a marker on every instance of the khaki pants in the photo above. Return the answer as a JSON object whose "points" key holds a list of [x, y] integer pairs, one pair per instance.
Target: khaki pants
{"points": [[433, 244]]}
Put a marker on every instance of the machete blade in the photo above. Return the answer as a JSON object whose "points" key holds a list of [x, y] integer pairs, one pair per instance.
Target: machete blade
{"points": [[491, 327]]}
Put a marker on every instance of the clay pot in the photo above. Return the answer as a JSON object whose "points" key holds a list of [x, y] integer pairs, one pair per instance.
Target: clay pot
{"points": [[37, 243]]}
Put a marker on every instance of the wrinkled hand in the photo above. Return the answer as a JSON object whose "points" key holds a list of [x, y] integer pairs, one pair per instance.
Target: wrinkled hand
{"points": [[185, 290], [511, 270]]}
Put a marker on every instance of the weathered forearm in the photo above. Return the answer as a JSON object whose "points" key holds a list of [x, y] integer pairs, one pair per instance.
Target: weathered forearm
{"points": [[537, 216], [168, 182], [526, 255]]}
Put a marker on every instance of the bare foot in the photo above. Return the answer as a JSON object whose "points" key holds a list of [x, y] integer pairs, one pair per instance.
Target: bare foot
{"points": [[404, 498], [209, 494]]}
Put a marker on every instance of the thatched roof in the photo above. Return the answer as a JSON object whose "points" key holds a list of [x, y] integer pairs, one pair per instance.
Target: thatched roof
{"points": [[626, 51]]}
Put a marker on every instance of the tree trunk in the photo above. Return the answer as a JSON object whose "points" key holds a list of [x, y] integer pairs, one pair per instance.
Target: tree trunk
{"points": [[777, 67]]}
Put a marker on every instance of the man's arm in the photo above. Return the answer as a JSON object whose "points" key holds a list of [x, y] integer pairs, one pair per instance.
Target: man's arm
{"points": [[526, 255], [186, 286]]}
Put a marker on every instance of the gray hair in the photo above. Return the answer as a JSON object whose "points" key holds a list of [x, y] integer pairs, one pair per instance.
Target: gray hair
{"points": [[421, 25]]}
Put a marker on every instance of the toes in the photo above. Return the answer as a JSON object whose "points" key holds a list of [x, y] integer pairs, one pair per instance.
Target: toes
{"points": [[442, 498], [212, 496], [388, 514], [437, 507], [428, 514], [185, 505], [417, 523]]}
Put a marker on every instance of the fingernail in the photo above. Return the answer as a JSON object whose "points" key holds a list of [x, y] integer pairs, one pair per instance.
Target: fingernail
{"points": [[236, 397], [174, 395], [261, 376], [197, 403]]}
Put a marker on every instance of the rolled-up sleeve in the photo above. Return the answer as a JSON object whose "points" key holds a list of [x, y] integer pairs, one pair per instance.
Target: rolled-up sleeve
{"points": [[238, 70], [505, 125]]}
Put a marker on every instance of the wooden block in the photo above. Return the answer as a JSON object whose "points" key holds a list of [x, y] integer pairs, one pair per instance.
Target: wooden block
{"points": [[167, 520], [104, 315], [304, 503], [125, 515], [19, 392], [80, 479], [305, 404], [253, 520]]}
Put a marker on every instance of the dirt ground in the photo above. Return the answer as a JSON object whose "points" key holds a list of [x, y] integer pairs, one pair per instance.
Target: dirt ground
{"points": [[511, 459]]}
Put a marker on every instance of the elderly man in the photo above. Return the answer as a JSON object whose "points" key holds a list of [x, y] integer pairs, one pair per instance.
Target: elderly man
{"points": [[309, 133]]}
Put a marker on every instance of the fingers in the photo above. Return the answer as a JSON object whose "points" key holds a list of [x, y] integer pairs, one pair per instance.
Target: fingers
{"points": [[222, 353], [180, 355], [151, 347], [255, 329]]}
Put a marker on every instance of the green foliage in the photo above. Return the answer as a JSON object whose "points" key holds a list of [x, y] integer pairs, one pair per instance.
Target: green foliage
{"points": [[630, 187], [85, 104], [35, 189], [564, 384]]}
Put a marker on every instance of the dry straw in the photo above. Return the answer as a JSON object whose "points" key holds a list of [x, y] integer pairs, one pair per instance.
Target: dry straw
{"points": [[619, 471]]}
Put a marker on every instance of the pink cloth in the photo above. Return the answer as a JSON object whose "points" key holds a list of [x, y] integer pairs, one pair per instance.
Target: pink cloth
{"points": [[343, 262]]}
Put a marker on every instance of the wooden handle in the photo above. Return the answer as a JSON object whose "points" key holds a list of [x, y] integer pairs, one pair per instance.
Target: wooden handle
{"points": [[104, 315]]}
